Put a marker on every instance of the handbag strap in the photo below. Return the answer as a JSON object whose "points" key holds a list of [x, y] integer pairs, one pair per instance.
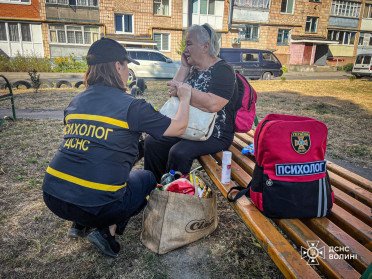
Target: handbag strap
{"points": [[243, 191]]}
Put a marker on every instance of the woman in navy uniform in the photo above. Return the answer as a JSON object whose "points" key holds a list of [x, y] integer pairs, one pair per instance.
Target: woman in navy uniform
{"points": [[89, 180]]}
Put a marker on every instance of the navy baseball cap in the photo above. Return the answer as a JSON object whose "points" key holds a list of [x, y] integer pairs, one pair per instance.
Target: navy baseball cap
{"points": [[107, 50]]}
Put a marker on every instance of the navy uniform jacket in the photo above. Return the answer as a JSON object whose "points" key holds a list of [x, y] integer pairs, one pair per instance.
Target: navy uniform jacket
{"points": [[99, 148]]}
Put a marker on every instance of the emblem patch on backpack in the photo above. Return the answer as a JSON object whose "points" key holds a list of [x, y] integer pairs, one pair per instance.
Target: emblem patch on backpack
{"points": [[300, 142]]}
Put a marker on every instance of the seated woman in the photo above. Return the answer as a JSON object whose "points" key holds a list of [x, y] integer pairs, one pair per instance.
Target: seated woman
{"points": [[213, 84], [89, 181]]}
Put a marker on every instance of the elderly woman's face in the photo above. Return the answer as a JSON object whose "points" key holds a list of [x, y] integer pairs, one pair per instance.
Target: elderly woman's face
{"points": [[194, 51]]}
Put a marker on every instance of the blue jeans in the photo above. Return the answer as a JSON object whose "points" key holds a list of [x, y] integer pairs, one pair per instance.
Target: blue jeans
{"points": [[140, 185]]}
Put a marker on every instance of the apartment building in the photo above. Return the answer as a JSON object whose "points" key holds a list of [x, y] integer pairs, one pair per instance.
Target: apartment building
{"points": [[299, 31], [365, 36], [145, 23], [20, 28], [70, 27]]}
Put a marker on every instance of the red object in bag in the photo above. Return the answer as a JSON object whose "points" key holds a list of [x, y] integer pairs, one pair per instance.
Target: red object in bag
{"points": [[182, 186]]}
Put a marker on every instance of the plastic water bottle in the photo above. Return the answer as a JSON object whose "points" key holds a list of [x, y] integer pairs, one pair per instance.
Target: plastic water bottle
{"points": [[248, 150], [169, 177], [226, 167]]}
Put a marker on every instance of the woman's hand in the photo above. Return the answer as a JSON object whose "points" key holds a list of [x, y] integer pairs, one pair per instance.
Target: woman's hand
{"points": [[184, 62], [184, 91], [173, 87]]}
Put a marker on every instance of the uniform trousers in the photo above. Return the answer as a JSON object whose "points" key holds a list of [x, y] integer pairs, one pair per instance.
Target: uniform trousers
{"points": [[168, 153], [139, 185]]}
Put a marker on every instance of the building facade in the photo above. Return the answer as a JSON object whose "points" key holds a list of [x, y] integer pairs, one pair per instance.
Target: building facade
{"points": [[300, 32], [71, 26], [21, 28]]}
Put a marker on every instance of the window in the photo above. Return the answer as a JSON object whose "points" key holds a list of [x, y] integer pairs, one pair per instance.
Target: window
{"points": [[283, 35], [257, 4], [370, 41], [361, 39], [311, 24], [162, 41], [16, 1], [269, 57], [250, 57], [345, 8], [123, 23], [367, 11], [249, 33], [287, 6], [154, 56], [13, 32], [143, 55], [80, 3], [203, 7], [343, 37], [3, 36], [73, 34], [26, 32], [367, 60], [161, 7]]}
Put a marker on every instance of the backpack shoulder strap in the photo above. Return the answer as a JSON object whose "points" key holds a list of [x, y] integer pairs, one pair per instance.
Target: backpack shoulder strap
{"points": [[243, 191]]}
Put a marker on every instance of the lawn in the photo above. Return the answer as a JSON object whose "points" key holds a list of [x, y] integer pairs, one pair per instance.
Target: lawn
{"points": [[33, 241]]}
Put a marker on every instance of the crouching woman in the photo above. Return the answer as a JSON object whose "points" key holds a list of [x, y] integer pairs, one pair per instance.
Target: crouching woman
{"points": [[89, 181]]}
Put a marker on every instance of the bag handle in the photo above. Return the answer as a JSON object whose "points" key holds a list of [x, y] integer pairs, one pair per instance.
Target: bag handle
{"points": [[242, 192]]}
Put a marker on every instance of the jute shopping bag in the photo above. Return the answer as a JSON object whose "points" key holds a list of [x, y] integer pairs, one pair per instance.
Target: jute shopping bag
{"points": [[172, 220]]}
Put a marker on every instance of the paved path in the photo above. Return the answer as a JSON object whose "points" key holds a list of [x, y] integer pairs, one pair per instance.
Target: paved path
{"points": [[14, 76], [58, 115], [33, 114]]}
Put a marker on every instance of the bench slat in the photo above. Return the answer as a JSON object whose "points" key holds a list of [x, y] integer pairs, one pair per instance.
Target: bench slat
{"points": [[352, 225], [332, 167], [351, 189], [279, 249], [353, 206], [352, 177], [335, 236], [350, 204], [300, 234]]}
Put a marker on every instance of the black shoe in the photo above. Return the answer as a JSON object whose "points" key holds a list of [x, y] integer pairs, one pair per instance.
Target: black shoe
{"points": [[78, 230], [105, 242]]}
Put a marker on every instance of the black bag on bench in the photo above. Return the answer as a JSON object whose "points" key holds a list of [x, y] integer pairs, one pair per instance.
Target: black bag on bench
{"points": [[290, 178]]}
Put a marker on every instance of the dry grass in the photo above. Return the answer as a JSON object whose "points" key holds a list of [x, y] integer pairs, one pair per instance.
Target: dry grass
{"points": [[33, 241]]}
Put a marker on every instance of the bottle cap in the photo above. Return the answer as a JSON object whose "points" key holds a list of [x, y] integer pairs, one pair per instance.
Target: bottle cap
{"points": [[172, 172], [226, 157]]}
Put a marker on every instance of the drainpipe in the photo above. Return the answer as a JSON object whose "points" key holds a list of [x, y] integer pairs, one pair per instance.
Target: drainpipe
{"points": [[230, 15], [189, 12]]}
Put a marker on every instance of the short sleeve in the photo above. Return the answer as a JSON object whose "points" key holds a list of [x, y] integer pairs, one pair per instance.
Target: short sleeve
{"points": [[142, 117], [223, 80]]}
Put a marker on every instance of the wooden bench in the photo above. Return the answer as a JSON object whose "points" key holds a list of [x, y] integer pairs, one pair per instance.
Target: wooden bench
{"points": [[349, 224], [8, 96]]}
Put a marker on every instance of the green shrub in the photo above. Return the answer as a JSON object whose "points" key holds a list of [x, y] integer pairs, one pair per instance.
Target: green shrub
{"points": [[24, 64], [69, 64], [284, 69], [348, 67]]}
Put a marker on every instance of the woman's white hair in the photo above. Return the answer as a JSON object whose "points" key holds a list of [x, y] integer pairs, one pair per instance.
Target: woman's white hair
{"points": [[202, 36]]}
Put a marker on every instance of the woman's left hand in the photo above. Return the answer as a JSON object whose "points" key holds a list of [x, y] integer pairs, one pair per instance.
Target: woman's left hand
{"points": [[173, 87]]}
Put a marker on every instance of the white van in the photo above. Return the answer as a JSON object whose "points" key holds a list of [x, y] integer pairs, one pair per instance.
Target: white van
{"points": [[153, 64], [363, 65]]}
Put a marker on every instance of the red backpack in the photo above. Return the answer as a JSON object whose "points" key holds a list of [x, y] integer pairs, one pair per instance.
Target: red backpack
{"points": [[246, 105], [290, 178]]}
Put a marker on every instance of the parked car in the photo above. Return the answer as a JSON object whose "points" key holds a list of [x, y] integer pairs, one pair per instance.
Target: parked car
{"points": [[154, 64], [253, 63], [363, 65]]}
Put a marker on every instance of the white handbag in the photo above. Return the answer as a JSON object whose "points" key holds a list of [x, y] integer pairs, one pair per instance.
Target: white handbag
{"points": [[201, 123]]}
